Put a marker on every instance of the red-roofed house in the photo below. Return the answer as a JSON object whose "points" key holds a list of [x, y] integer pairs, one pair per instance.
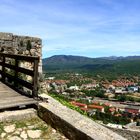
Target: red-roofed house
{"points": [[112, 110], [78, 104], [107, 104], [96, 103], [98, 107], [84, 109], [132, 111]]}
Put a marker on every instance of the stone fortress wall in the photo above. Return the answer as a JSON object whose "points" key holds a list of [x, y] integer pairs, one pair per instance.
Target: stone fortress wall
{"points": [[24, 45]]}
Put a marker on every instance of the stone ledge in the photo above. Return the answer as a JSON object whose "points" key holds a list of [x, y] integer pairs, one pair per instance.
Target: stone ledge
{"points": [[74, 125], [17, 115]]}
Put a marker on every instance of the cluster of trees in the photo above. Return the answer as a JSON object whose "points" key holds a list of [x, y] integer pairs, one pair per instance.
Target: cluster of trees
{"points": [[97, 92], [109, 118], [99, 68], [124, 98]]}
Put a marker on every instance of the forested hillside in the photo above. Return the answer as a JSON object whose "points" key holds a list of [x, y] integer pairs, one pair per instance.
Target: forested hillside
{"points": [[105, 66]]}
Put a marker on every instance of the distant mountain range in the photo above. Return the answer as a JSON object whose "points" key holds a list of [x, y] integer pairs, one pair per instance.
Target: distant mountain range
{"points": [[113, 64], [82, 59]]}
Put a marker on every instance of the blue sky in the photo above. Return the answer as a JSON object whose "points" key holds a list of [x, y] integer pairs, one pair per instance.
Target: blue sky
{"points": [[92, 28]]}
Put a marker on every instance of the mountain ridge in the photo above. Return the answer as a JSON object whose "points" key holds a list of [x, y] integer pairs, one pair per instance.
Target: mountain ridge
{"points": [[84, 59], [129, 65], [106, 57]]}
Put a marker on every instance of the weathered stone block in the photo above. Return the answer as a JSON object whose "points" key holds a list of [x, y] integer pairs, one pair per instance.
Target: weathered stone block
{"points": [[72, 124], [16, 44], [6, 36], [70, 131]]}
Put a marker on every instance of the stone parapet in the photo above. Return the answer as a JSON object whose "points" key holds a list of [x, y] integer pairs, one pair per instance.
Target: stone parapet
{"points": [[17, 115], [74, 125]]}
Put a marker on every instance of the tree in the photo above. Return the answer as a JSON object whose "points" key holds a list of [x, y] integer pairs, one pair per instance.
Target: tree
{"points": [[122, 98], [21, 43], [29, 46]]}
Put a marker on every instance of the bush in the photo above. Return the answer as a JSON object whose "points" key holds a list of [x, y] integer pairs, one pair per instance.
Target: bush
{"points": [[29, 46]]}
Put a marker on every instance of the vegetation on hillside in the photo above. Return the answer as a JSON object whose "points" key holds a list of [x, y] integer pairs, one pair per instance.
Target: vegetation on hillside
{"points": [[106, 117], [110, 67]]}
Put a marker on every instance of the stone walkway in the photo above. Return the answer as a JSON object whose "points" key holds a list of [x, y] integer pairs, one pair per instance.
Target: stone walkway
{"points": [[30, 129]]}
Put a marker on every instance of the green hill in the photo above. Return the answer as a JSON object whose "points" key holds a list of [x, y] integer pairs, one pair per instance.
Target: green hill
{"points": [[103, 66]]}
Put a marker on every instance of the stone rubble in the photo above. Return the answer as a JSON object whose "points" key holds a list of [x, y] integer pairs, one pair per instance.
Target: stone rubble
{"points": [[3, 135], [29, 129], [34, 133], [23, 135], [14, 138], [9, 129]]}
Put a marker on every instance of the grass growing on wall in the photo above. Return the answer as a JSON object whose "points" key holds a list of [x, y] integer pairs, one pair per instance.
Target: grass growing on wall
{"points": [[104, 117], [61, 99]]}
